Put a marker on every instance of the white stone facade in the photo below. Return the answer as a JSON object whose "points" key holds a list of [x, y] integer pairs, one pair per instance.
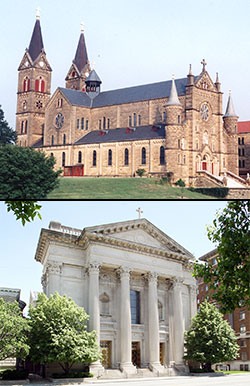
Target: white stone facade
{"points": [[98, 268]]}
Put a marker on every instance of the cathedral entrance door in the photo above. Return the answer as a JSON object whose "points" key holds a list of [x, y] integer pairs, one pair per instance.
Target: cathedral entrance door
{"points": [[136, 355], [162, 353], [106, 353]]}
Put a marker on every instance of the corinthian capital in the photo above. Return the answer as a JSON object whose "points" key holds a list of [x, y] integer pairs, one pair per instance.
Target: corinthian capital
{"points": [[94, 267], [152, 277], [54, 268], [177, 282], [124, 272]]}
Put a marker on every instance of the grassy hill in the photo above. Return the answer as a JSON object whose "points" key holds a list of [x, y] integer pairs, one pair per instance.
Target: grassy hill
{"points": [[119, 188]]}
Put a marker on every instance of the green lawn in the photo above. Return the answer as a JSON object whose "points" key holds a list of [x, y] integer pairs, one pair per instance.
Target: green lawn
{"points": [[119, 188]]}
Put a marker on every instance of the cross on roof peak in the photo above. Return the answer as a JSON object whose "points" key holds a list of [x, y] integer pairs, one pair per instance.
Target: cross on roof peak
{"points": [[140, 211], [38, 13], [82, 26], [204, 63]]}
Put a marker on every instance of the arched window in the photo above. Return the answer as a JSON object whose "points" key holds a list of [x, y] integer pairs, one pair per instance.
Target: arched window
{"points": [[52, 140], [179, 159], [135, 119], [179, 119], [179, 143], [64, 139], [130, 121], [160, 310], [40, 85], [94, 158], [104, 304], [126, 157], [164, 116], [110, 158], [22, 131], [51, 155], [104, 123], [37, 85], [139, 120], [100, 124], [25, 126], [63, 159], [108, 123], [143, 156], [26, 84], [87, 124], [184, 159], [183, 143], [162, 155], [79, 157], [82, 123]]}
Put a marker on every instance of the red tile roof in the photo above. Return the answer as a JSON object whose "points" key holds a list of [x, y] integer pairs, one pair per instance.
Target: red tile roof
{"points": [[244, 127]]}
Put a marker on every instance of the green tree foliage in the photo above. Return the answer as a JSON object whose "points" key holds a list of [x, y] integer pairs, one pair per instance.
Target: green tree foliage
{"points": [[7, 135], [58, 333], [26, 173], [230, 231], [210, 338], [25, 211], [13, 331]]}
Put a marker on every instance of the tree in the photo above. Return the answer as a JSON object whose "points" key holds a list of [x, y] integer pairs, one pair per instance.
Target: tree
{"points": [[230, 231], [25, 211], [13, 331], [7, 135], [210, 338], [26, 173], [58, 333]]}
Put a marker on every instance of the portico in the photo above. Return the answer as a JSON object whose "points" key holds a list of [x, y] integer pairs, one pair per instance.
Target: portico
{"points": [[135, 284]]}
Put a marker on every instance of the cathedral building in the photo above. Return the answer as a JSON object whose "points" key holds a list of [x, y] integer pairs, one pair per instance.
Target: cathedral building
{"points": [[174, 126], [136, 284]]}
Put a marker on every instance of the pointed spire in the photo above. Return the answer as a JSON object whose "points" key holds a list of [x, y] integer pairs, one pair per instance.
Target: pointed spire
{"points": [[173, 98], [81, 57], [230, 107], [36, 42], [190, 69], [217, 78]]}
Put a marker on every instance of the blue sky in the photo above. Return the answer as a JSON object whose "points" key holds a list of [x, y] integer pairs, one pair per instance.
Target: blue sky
{"points": [[132, 42], [184, 221]]}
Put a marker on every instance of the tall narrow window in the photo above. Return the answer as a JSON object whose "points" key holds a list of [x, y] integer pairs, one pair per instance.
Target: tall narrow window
{"points": [[130, 121], [63, 159], [26, 127], [164, 116], [100, 124], [143, 156], [135, 119], [87, 124], [110, 158], [82, 123], [242, 141], [22, 127], [162, 155], [78, 123], [37, 85], [126, 157], [94, 158], [79, 157], [239, 163], [64, 139], [52, 140], [108, 123], [104, 123], [184, 159], [26, 84], [135, 306], [42, 86]]}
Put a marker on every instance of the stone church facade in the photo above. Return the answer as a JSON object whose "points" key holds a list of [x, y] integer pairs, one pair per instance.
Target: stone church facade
{"points": [[174, 126], [136, 284]]}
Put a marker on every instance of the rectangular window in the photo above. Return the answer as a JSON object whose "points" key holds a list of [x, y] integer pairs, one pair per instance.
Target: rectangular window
{"points": [[82, 123], [242, 141], [244, 356], [135, 306], [242, 329], [239, 141], [243, 343], [78, 123], [206, 287], [242, 315]]}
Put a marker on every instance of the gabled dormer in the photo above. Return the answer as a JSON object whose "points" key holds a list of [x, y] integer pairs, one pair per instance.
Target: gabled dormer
{"points": [[204, 80], [80, 68]]}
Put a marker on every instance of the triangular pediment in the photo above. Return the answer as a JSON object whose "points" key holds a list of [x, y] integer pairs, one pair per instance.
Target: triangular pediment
{"points": [[26, 62], [140, 232], [73, 69], [42, 62], [204, 82]]}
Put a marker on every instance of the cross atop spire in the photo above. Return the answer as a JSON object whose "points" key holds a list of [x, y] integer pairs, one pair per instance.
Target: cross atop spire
{"points": [[140, 211], [38, 13], [204, 65], [82, 27]]}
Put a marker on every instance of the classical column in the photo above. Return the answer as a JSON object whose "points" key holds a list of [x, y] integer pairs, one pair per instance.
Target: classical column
{"points": [[53, 275], [178, 323], [125, 322], [94, 310], [193, 301], [153, 323]]}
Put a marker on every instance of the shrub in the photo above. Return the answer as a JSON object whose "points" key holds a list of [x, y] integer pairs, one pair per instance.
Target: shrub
{"points": [[140, 172], [14, 374], [180, 183], [214, 192], [73, 374]]}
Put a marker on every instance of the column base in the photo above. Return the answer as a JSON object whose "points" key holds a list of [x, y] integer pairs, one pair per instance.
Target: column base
{"points": [[156, 367], [179, 367], [96, 369], [128, 368]]}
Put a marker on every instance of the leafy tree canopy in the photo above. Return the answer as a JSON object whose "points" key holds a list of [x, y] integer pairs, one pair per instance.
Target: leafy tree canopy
{"points": [[58, 333], [26, 173], [7, 135], [210, 338], [230, 277], [25, 211], [13, 331]]}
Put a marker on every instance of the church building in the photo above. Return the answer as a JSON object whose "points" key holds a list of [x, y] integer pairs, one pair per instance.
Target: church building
{"points": [[136, 284], [174, 126]]}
